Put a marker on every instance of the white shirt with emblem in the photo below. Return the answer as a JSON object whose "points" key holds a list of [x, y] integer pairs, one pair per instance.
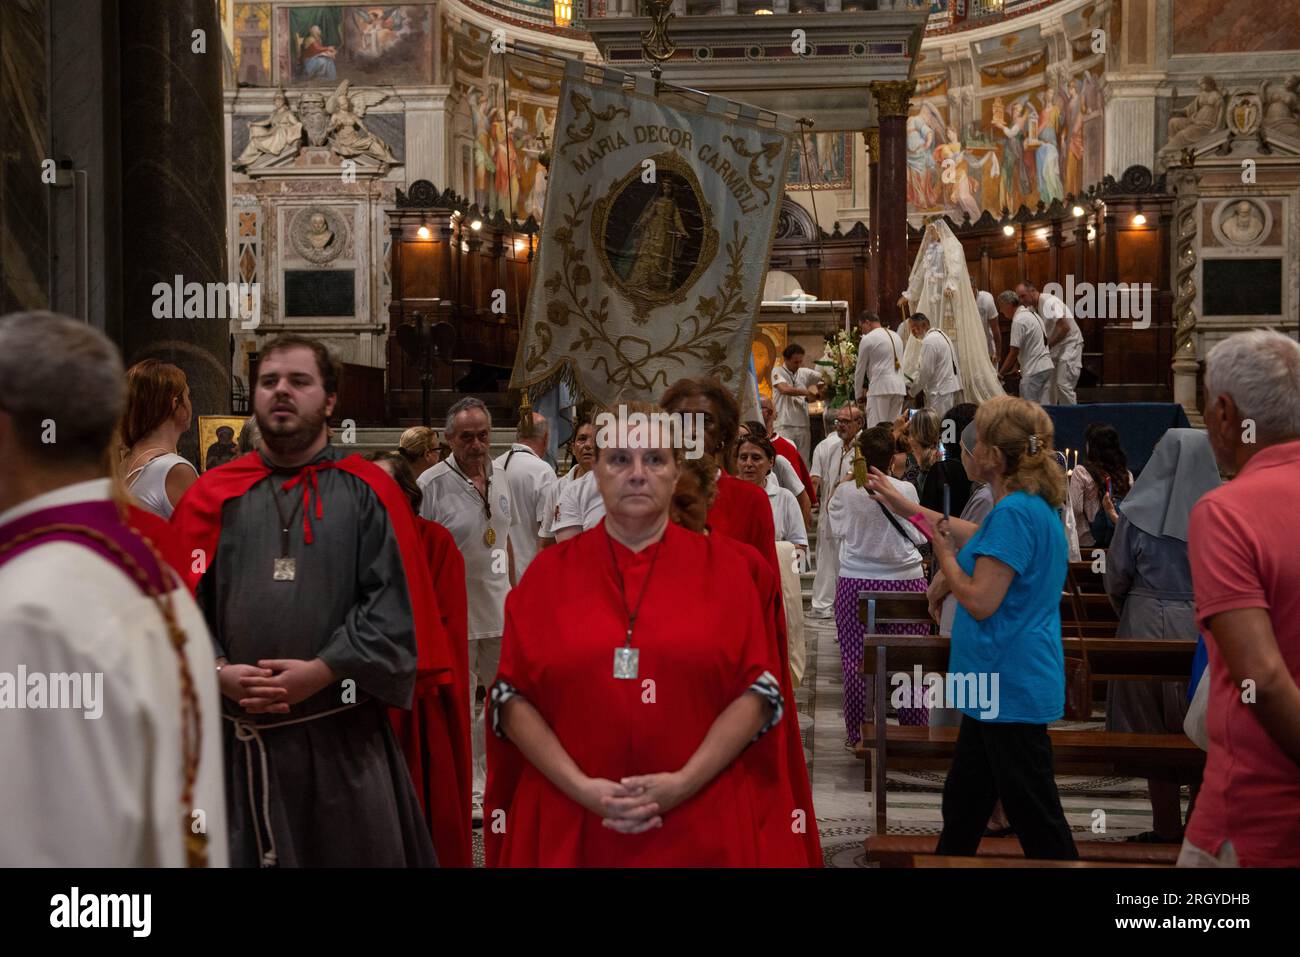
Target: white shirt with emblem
{"points": [[453, 501], [530, 480]]}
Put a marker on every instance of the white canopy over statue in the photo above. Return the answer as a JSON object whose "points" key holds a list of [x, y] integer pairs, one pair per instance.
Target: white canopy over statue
{"points": [[940, 288]]}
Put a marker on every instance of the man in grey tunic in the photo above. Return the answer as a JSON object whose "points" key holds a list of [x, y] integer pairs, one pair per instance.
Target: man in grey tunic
{"points": [[308, 604]]}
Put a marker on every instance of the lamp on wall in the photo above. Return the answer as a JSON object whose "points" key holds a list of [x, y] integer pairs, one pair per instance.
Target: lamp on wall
{"points": [[563, 13], [1139, 218]]}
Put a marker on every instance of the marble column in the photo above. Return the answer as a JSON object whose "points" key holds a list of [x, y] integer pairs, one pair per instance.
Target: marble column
{"points": [[174, 191], [891, 278], [872, 136]]}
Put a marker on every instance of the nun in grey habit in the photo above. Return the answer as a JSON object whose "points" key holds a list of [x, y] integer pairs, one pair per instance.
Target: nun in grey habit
{"points": [[1149, 580]]}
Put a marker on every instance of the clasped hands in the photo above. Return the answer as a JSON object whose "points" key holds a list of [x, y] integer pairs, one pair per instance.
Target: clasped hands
{"points": [[274, 684], [635, 804]]}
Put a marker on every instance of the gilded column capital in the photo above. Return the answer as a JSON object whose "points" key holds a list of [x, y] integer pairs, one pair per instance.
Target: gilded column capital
{"points": [[892, 96], [872, 137]]}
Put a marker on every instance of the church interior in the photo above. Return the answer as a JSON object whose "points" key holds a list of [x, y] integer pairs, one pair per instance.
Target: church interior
{"points": [[196, 177]]}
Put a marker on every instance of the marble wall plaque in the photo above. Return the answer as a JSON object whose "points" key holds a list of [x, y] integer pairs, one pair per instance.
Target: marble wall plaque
{"points": [[319, 292]]}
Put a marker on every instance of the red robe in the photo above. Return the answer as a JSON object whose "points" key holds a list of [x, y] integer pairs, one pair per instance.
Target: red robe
{"points": [[163, 536], [702, 640], [786, 448], [197, 526], [741, 512], [792, 792], [434, 735]]}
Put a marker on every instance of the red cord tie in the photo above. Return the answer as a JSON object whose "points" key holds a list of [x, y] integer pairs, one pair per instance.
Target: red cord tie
{"points": [[310, 487]]}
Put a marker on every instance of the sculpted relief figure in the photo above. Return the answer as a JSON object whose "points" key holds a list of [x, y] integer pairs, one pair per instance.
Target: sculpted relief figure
{"points": [[348, 135], [1243, 224], [1200, 118], [279, 134], [1282, 108]]}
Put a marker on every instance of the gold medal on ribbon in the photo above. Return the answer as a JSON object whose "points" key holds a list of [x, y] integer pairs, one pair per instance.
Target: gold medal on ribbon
{"points": [[490, 536]]}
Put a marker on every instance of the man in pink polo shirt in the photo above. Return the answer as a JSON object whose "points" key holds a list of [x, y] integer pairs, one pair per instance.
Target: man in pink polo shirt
{"points": [[1242, 542]]}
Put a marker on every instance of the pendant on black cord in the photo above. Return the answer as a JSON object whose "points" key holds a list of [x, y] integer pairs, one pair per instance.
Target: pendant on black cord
{"points": [[626, 662], [285, 570]]}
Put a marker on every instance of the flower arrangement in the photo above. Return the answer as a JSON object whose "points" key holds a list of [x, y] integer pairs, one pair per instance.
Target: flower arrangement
{"points": [[836, 366]]}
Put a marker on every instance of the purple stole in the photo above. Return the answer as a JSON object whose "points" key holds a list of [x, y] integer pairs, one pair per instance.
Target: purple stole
{"points": [[103, 517]]}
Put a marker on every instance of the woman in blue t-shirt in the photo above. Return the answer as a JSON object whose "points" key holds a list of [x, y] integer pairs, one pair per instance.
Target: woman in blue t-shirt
{"points": [[1006, 666]]}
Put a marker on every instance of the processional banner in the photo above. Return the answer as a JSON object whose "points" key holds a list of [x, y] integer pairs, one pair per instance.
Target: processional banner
{"points": [[660, 212]]}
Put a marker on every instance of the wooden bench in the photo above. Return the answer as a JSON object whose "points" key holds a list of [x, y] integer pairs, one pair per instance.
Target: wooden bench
{"points": [[1074, 752], [1086, 609], [897, 850]]}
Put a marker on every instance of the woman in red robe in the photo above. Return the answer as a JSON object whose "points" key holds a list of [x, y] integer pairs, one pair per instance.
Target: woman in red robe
{"points": [[789, 819], [626, 741], [434, 733], [740, 511]]}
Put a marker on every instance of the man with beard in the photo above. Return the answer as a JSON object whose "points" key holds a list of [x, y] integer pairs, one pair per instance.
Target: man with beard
{"points": [[309, 573]]}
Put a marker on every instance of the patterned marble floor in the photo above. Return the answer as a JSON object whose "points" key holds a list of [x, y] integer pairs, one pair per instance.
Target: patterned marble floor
{"points": [[844, 812]]}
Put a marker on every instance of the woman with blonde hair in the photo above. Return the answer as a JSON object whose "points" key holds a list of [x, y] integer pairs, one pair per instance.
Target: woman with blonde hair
{"points": [[923, 434], [158, 413], [419, 447], [1006, 635]]}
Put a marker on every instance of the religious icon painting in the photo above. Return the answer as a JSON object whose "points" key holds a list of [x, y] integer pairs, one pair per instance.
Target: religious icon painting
{"points": [[769, 342], [219, 439], [654, 239]]}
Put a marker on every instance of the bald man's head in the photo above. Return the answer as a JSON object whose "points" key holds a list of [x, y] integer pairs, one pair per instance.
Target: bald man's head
{"points": [[534, 432]]}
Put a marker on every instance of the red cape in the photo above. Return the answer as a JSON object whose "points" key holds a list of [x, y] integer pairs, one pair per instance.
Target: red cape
{"points": [[786, 448], [792, 791], [438, 728], [435, 734], [163, 537]]}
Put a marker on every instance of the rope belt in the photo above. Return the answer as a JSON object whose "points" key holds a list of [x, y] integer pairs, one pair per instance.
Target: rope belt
{"points": [[249, 731]]}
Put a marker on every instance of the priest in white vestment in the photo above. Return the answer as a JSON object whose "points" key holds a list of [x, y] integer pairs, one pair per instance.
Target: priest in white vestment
{"points": [[92, 715]]}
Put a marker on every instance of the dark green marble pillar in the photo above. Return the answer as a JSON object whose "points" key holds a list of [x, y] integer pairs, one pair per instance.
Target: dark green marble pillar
{"points": [[174, 190]]}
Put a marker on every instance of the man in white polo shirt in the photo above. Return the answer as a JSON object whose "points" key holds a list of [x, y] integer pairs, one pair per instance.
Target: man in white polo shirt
{"points": [[937, 374], [988, 310], [1064, 340], [471, 499], [530, 480], [792, 387], [1028, 349], [880, 361]]}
